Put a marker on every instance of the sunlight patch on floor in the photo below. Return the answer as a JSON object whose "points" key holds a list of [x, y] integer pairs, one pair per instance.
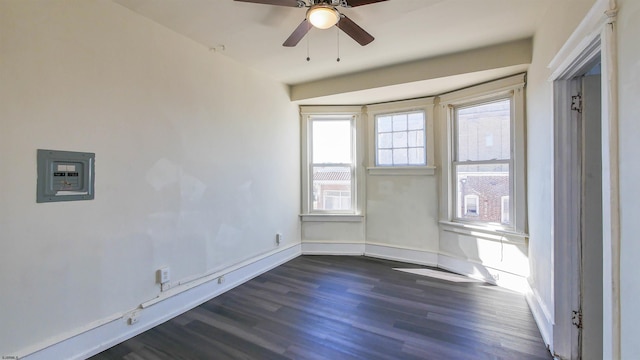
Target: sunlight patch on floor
{"points": [[440, 275]]}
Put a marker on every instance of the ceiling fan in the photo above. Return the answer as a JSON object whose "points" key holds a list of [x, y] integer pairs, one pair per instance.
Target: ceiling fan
{"points": [[323, 14]]}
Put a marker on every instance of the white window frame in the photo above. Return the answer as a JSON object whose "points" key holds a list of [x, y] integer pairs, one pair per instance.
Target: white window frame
{"points": [[504, 214], [393, 132], [307, 115], [512, 88], [425, 105], [455, 161]]}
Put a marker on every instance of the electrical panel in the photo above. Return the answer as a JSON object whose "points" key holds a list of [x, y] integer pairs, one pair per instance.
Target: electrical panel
{"points": [[65, 176]]}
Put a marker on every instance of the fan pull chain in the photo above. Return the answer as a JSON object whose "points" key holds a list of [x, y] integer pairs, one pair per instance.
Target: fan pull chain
{"points": [[308, 57], [338, 44]]}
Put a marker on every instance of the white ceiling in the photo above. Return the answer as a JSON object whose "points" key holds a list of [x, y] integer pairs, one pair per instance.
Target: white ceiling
{"points": [[404, 31]]}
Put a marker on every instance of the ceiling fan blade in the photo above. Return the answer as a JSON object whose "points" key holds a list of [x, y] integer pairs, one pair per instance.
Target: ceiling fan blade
{"points": [[298, 34], [354, 30], [354, 3], [291, 3]]}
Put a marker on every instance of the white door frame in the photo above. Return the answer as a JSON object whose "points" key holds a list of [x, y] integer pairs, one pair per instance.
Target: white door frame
{"points": [[596, 35]]}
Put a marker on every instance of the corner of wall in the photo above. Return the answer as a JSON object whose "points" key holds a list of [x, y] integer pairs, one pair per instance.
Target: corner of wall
{"points": [[542, 317]]}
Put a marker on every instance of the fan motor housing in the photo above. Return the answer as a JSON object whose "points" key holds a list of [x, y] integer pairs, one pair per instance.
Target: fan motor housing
{"points": [[328, 2]]}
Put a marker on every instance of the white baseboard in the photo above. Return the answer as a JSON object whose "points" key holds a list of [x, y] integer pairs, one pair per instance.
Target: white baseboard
{"points": [[420, 257], [95, 338], [332, 248], [381, 251], [542, 316], [88, 342], [412, 256]]}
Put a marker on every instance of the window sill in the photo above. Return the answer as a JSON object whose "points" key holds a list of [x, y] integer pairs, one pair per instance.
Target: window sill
{"points": [[402, 170], [487, 232], [331, 218]]}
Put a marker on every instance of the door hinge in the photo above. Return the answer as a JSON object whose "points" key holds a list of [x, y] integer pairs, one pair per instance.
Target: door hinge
{"points": [[576, 319], [576, 103]]}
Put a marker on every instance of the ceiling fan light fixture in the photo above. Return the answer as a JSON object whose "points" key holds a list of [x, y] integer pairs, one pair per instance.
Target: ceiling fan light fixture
{"points": [[323, 16]]}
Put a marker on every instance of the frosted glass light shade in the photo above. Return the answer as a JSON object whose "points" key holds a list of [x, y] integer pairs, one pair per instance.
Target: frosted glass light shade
{"points": [[323, 16]]}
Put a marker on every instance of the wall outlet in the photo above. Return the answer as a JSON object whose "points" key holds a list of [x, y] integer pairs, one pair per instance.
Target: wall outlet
{"points": [[278, 238], [164, 275], [133, 318]]}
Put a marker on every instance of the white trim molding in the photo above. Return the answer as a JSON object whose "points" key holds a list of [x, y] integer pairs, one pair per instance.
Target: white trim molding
{"points": [[611, 187], [595, 35], [578, 46], [541, 315], [331, 218], [485, 232], [401, 171], [403, 254], [380, 251], [101, 335], [332, 248]]}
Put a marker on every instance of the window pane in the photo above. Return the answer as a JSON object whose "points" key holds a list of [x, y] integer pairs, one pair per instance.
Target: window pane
{"points": [[400, 122], [416, 138], [403, 135], [384, 124], [385, 141], [484, 132], [416, 121], [400, 139], [385, 157], [480, 191], [331, 188], [331, 141], [416, 156], [336, 200], [400, 156]]}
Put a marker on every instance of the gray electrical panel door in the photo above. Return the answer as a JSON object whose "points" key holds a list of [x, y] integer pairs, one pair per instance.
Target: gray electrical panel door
{"points": [[65, 176]]}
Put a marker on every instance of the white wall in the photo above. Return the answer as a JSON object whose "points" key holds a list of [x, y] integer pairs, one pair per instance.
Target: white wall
{"points": [[402, 212], [400, 222], [558, 24], [398, 216], [197, 164], [333, 232], [500, 259], [629, 89], [189, 176]]}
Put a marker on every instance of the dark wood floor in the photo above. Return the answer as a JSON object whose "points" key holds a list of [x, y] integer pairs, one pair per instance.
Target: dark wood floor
{"points": [[331, 307]]}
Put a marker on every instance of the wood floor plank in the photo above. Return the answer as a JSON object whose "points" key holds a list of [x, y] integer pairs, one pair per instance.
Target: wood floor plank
{"points": [[332, 307]]}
